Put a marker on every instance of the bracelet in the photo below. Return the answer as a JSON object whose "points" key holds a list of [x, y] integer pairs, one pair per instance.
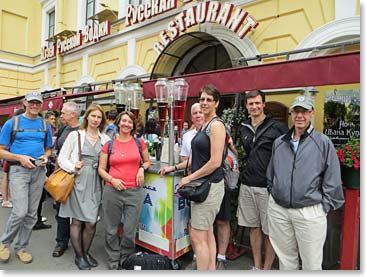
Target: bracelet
{"points": [[176, 168], [110, 179]]}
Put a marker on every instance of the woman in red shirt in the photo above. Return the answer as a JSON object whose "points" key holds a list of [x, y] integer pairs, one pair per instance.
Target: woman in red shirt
{"points": [[123, 194]]}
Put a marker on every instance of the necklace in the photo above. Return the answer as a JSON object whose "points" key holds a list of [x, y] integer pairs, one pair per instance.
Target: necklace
{"points": [[123, 139], [124, 147], [88, 134]]}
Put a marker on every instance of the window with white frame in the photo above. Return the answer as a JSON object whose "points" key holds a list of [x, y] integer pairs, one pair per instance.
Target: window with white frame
{"points": [[51, 26], [48, 21], [90, 11]]}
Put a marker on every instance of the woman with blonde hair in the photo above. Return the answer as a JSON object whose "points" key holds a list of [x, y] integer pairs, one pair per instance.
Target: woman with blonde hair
{"points": [[84, 201]]}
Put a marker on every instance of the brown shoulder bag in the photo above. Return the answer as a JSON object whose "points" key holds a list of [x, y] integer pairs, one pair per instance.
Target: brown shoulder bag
{"points": [[60, 183]]}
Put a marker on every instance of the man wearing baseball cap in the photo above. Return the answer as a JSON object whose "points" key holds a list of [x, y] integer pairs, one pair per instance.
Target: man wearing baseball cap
{"points": [[304, 184], [27, 156], [34, 96]]}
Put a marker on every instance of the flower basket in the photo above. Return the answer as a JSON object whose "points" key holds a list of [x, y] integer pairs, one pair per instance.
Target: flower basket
{"points": [[350, 177], [349, 158]]}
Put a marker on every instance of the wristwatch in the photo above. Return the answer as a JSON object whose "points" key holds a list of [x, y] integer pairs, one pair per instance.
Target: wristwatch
{"points": [[145, 168]]}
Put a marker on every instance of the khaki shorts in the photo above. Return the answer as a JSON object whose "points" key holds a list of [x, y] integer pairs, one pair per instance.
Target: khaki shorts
{"points": [[203, 214], [252, 207]]}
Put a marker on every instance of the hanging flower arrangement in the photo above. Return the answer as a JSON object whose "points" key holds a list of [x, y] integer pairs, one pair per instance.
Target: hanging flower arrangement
{"points": [[349, 154]]}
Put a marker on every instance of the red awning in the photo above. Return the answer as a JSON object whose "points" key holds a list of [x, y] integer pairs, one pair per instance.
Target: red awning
{"points": [[53, 103], [336, 69]]}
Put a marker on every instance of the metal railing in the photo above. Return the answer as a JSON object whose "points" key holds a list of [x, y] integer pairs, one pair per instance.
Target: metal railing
{"points": [[287, 54]]}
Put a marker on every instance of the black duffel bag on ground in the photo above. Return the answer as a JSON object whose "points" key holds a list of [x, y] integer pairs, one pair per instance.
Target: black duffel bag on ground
{"points": [[147, 261]]}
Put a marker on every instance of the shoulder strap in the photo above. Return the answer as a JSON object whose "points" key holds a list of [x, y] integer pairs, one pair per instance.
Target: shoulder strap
{"points": [[45, 129], [137, 141], [225, 150], [109, 151], [79, 147], [14, 128]]}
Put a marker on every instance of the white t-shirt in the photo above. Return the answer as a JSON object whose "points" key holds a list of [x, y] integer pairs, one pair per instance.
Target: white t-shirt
{"points": [[186, 142]]}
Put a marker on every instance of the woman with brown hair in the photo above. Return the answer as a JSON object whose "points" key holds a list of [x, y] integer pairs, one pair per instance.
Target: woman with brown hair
{"points": [[123, 194], [207, 149], [84, 201]]}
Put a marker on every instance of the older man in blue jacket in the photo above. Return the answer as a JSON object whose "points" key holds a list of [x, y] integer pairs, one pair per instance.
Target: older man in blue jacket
{"points": [[305, 184]]}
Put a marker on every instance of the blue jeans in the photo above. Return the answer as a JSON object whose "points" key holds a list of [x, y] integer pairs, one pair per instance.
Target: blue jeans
{"points": [[26, 189]]}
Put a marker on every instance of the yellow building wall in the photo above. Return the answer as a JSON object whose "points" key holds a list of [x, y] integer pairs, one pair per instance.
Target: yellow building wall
{"points": [[15, 83], [283, 24], [71, 72], [69, 16], [113, 4], [52, 77], [145, 55], [105, 66], [19, 28]]}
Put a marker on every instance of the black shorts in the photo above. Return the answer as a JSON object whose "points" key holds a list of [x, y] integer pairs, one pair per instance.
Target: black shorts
{"points": [[225, 208]]}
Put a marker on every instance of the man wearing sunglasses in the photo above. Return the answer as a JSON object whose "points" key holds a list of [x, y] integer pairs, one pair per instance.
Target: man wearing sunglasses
{"points": [[27, 156]]}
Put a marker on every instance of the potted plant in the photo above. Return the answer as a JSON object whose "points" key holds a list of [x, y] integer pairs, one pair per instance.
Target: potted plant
{"points": [[233, 119], [155, 148], [349, 158]]}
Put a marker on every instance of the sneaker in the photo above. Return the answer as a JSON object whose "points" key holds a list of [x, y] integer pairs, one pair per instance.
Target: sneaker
{"points": [[24, 256], [221, 264], [192, 266], [4, 253], [254, 268], [6, 204]]}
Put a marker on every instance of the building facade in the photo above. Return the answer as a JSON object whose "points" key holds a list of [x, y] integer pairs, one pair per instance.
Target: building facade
{"points": [[52, 44]]}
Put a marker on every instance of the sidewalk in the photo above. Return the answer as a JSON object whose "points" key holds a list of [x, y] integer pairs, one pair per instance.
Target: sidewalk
{"points": [[43, 242]]}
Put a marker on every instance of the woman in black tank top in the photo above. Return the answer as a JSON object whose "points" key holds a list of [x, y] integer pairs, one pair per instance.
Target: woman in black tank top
{"points": [[207, 154]]}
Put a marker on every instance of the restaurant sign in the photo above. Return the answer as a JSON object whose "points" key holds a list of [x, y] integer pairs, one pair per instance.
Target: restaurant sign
{"points": [[236, 19], [90, 34]]}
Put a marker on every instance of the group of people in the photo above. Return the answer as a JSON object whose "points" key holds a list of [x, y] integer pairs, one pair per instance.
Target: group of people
{"points": [[81, 149], [290, 182]]}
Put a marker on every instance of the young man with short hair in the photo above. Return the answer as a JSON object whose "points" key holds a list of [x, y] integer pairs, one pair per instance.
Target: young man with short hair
{"points": [[257, 135]]}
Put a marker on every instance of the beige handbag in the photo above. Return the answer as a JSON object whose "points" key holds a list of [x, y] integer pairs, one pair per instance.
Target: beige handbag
{"points": [[60, 183]]}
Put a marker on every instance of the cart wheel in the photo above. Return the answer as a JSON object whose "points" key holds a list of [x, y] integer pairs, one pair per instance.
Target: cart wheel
{"points": [[175, 265]]}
